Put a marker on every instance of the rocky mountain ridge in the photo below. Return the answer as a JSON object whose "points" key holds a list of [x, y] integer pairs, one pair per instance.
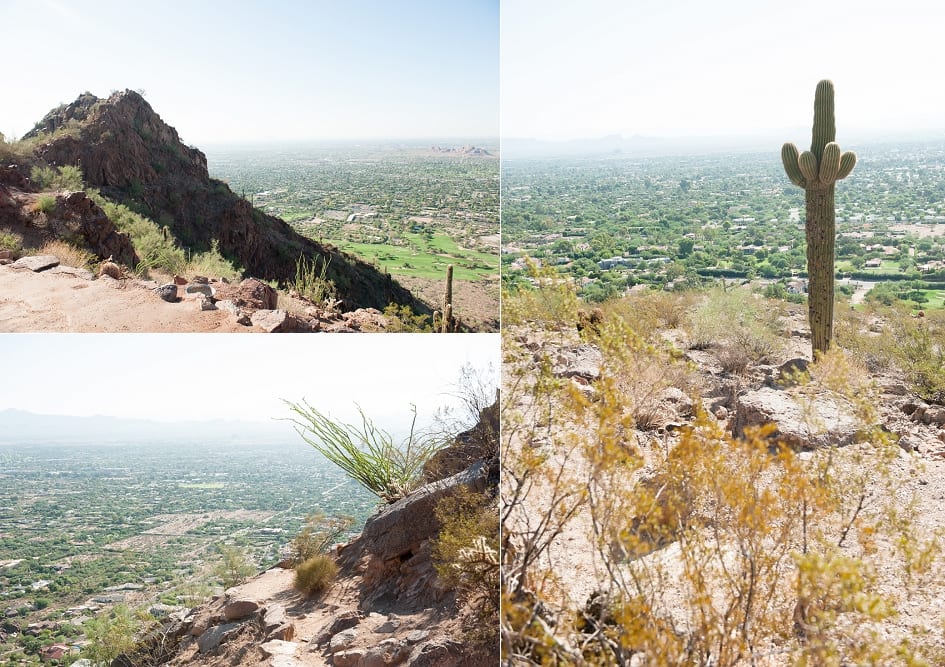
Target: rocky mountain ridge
{"points": [[133, 157]]}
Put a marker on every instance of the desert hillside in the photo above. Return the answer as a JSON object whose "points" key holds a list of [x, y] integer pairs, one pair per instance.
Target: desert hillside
{"points": [[682, 484]]}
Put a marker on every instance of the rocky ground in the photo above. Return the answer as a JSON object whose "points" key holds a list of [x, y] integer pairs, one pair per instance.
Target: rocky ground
{"points": [[387, 606], [40, 295], [809, 418]]}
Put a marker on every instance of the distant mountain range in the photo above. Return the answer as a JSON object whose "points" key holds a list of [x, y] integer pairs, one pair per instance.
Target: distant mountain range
{"points": [[19, 426]]}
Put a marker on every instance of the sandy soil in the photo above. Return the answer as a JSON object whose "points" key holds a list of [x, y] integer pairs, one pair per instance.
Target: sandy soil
{"points": [[475, 303], [42, 302]]}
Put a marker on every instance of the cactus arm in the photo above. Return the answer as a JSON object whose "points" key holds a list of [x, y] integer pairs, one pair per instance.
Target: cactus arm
{"points": [[847, 162], [807, 162], [830, 163], [789, 158]]}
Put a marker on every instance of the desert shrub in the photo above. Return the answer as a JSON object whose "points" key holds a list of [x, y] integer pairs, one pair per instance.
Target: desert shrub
{"points": [[110, 634], [315, 575], [233, 566], [67, 177], [45, 204], [654, 310], [740, 319], [466, 556], [10, 241], [550, 300], [156, 248], [213, 263], [68, 254], [317, 536], [366, 453], [709, 548], [402, 319], [311, 282]]}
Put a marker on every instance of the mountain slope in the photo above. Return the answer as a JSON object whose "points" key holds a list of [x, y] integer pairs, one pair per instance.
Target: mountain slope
{"points": [[127, 151]]}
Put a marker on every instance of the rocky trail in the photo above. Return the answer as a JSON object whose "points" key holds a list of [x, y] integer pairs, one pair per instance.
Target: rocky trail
{"points": [[37, 294]]}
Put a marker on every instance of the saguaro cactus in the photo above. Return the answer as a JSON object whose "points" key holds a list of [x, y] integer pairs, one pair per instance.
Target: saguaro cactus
{"points": [[817, 170], [449, 320]]}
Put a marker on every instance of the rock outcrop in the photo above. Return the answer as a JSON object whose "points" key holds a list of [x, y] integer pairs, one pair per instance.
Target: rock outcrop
{"points": [[388, 606], [127, 151]]}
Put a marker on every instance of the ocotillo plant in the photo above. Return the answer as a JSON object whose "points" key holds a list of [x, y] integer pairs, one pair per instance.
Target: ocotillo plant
{"points": [[817, 170]]}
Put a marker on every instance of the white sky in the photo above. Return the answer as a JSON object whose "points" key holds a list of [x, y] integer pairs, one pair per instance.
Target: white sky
{"points": [[729, 67], [184, 377], [262, 70]]}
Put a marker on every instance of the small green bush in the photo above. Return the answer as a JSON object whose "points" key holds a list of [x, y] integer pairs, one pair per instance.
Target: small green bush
{"points": [[10, 241], [213, 263], [315, 575], [311, 282], [46, 204]]}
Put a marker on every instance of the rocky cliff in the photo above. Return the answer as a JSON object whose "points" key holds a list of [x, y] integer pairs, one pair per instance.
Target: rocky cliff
{"points": [[389, 605], [127, 151]]}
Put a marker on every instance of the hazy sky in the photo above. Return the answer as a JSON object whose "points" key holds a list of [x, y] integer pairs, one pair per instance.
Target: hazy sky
{"points": [[181, 377], [729, 67], [263, 70]]}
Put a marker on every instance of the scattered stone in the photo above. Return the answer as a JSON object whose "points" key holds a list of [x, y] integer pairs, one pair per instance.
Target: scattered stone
{"points": [[721, 413], [285, 632], [389, 626], [198, 288], [439, 654], [342, 640], [84, 274], [180, 280], [910, 443], [581, 360], [215, 636], [821, 423], [167, 292], [6, 254], [204, 303], [279, 647], [340, 622], [238, 609], [274, 617], [417, 636], [386, 654], [934, 415], [347, 658], [678, 399], [36, 263], [273, 321], [788, 371], [4, 262], [201, 280]]}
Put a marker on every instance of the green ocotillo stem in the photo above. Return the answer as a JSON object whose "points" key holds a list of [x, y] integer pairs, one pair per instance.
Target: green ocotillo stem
{"points": [[821, 238]]}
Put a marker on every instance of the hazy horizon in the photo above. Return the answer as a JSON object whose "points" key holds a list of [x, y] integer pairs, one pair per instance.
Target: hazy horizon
{"points": [[181, 378]]}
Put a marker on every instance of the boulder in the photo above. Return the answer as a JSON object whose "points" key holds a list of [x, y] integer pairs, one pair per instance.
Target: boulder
{"points": [[199, 288], [400, 527], [215, 636], [167, 292], [336, 624], [251, 293], [342, 640], [36, 262], [273, 321], [240, 608], [801, 424]]}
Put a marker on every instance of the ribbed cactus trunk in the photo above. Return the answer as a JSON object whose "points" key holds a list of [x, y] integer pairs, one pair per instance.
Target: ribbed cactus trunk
{"points": [[817, 171], [821, 237]]}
